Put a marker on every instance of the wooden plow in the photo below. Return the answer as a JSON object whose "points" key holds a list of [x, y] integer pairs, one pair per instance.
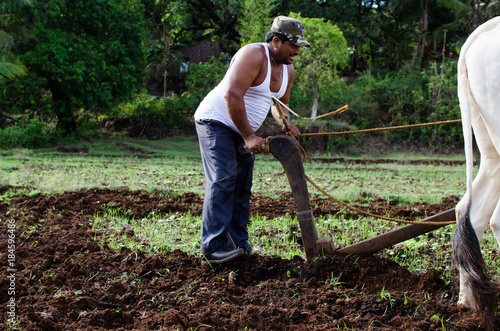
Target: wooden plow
{"points": [[287, 151]]}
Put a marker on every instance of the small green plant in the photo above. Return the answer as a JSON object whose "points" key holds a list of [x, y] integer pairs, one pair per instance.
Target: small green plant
{"points": [[441, 320], [335, 281], [200, 326], [386, 297]]}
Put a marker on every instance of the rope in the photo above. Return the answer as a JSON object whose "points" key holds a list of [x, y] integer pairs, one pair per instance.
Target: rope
{"points": [[284, 118], [338, 111], [381, 129]]}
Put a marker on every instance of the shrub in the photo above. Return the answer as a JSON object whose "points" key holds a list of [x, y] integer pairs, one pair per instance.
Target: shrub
{"points": [[407, 97], [442, 89], [203, 77], [157, 117], [33, 134]]}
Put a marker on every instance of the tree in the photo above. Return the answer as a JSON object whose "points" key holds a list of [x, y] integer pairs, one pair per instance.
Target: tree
{"points": [[257, 19], [360, 21], [164, 19], [422, 19], [89, 52], [317, 66], [11, 25], [175, 24], [472, 13], [218, 18]]}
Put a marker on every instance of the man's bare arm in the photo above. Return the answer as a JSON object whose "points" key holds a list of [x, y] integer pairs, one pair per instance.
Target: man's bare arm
{"points": [[243, 73]]}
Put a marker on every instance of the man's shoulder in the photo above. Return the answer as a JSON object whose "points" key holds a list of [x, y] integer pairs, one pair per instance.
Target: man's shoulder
{"points": [[255, 45], [254, 49], [250, 59]]}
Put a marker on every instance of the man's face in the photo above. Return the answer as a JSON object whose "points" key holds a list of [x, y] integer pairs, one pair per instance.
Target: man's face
{"points": [[287, 51]]}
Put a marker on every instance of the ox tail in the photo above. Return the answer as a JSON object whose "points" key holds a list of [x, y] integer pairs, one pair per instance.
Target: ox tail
{"points": [[468, 256]]}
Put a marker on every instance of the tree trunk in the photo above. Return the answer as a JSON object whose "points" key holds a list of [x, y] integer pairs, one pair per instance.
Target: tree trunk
{"points": [[423, 37], [66, 121], [314, 110], [425, 27], [164, 60]]}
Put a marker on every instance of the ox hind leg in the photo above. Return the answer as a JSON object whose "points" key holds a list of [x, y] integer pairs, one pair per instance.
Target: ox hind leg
{"points": [[485, 208], [495, 223]]}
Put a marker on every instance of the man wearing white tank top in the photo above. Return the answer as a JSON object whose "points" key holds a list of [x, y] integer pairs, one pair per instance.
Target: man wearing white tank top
{"points": [[226, 122]]}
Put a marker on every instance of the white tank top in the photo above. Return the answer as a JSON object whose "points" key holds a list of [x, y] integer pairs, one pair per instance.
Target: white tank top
{"points": [[257, 100]]}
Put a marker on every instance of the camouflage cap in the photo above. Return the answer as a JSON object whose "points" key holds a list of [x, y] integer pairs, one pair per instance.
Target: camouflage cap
{"points": [[291, 28]]}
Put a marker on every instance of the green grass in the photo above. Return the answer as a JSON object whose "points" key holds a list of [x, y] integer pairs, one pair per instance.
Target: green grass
{"points": [[172, 147], [277, 237], [57, 174], [349, 182], [156, 233], [393, 182], [175, 168]]}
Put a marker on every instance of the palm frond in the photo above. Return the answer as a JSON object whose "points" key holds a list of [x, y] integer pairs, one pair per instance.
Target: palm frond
{"points": [[10, 67], [5, 20], [9, 5], [6, 40], [455, 4]]}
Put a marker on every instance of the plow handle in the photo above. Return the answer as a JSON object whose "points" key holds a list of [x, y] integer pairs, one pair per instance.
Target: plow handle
{"points": [[287, 150]]}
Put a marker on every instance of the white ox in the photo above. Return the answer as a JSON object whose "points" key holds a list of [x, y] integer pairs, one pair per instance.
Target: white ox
{"points": [[479, 95]]}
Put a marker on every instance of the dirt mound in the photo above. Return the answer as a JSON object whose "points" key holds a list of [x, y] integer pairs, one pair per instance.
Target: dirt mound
{"points": [[65, 280]]}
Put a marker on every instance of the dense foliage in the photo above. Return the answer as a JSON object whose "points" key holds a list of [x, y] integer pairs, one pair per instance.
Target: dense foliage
{"points": [[86, 64], [87, 55], [315, 68]]}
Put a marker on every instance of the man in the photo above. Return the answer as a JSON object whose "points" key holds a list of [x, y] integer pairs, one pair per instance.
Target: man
{"points": [[226, 121]]}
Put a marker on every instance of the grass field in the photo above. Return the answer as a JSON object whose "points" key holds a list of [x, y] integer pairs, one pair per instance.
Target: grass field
{"points": [[175, 167]]}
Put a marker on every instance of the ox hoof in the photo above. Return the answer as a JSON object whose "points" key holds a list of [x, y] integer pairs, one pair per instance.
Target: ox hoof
{"points": [[464, 305]]}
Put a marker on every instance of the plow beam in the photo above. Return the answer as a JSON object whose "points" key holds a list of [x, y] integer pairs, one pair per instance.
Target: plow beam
{"points": [[370, 246], [287, 151]]}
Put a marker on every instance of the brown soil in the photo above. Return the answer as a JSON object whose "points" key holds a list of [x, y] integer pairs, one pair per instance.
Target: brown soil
{"points": [[66, 281]]}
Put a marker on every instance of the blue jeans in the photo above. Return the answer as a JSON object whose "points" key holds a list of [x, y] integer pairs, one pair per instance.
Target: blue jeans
{"points": [[228, 182]]}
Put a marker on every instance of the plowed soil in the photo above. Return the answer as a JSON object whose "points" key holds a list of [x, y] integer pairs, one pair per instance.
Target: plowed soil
{"points": [[64, 280]]}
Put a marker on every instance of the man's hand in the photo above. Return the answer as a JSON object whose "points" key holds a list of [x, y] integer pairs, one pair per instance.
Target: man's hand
{"points": [[295, 130], [255, 144]]}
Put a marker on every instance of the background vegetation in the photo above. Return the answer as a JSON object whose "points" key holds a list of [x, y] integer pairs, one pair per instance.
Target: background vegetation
{"points": [[79, 70]]}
